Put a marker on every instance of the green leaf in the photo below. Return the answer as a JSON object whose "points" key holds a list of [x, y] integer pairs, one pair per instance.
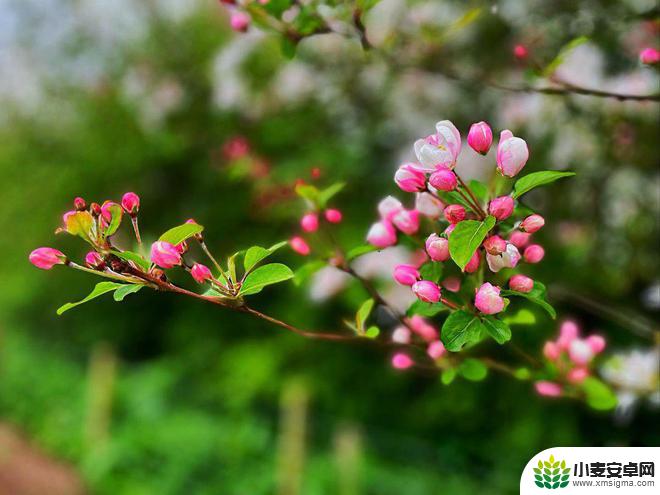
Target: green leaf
{"points": [[372, 332], [125, 290], [255, 254], [536, 179], [359, 251], [563, 53], [473, 370], [448, 376], [426, 309], [306, 271], [363, 313], [522, 374], [599, 395], [231, 265], [480, 190], [522, 317], [139, 261], [466, 238], [308, 192], [537, 295], [176, 235], [563, 484], [288, 47], [327, 194], [80, 223], [431, 270], [539, 484], [116, 213], [272, 273], [497, 329], [100, 289], [459, 329]]}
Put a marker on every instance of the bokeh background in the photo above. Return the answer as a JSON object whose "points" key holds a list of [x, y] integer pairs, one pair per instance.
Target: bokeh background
{"points": [[162, 395]]}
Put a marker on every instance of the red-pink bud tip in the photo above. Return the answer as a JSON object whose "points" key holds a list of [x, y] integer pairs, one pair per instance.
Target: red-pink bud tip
{"points": [[401, 361], [46, 258], [299, 245], [131, 203], [79, 204], [310, 222], [200, 273], [480, 137], [333, 216], [165, 254]]}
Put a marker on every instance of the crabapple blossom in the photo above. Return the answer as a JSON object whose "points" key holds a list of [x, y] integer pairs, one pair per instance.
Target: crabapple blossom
{"points": [[436, 349], [46, 258], [165, 255], [452, 284], [488, 299], [426, 291], [381, 234], [548, 389], [512, 154], [450, 136], [494, 245], [423, 328], [533, 253], [473, 265], [428, 205], [406, 274], [568, 332], [309, 222], [551, 351], [130, 202], [239, 21], [200, 273], [439, 150], [333, 215], [388, 207], [509, 258], [577, 375], [480, 137], [79, 203], [454, 213], [519, 239], [299, 245], [521, 283], [410, 178], [401, 335], [580, 352], [443, 180], [649, 56], [597, 343], [501, 208], [401, 361], [437, 247], [407, 221], [532, 224], [94, 260]]}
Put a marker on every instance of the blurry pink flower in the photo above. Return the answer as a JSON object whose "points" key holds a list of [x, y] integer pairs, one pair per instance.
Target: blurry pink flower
{"points": [[548, 389], [501, 208], [580, 352], [333, 216], [407, 221], [94, 260], [520, 52], [521, 283], [473, 265], [46, 258], [519, 239], [406, 274], [480, 137], [512, 154], [577, 375], [508, 259], [649, 56], [235, 148], [426, 291], [200, 273], [401, 361], [239, 21], [437, 247], [436, 349], [532, 223], [494, 245], [165, 254], [381, 234], [309, 222], [488, 300], [299, 245], [452, 284], [410, 178], [428, 205], [443, 180], [533, 253], [596, 343], [130, 202], [388, 207], [401, 335], [423, 328], [454, 213], [568, 332], [551, 351], [79, 203]]}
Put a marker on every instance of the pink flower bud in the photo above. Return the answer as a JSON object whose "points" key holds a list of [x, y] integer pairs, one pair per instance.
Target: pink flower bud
{"points": [[382, 235], [407, 221], [533, 253], [443, 180], [455, 213], [410, 178], [428, 205], [310, 222], [519, 239], [406, 274], [480, 137], [551, 351], [473, 265], [580, 352], [488, 300], [388, 207], [521, 283], [532, 223], [46, 258], [131, 203], [200, 273], [299, 245], [401, 335], [333, 216], [649, 56], [165, 254], [94, 260], [437, 247], [436, 349], [568, 332], [452, 284], [426, 291], [494, 245], [423, 328], [577, 375], [512, 154], [235, 148], [401, 361], [501, 208], [95, 209], [509, 258], [548, 389], [450, 228], [239, 21], [597, 343], [79, 203], [520, 52], [106, 211], [182, 247]]}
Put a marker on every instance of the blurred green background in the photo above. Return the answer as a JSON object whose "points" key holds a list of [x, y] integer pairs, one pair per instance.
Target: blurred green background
{"points": [[169, 396]]}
